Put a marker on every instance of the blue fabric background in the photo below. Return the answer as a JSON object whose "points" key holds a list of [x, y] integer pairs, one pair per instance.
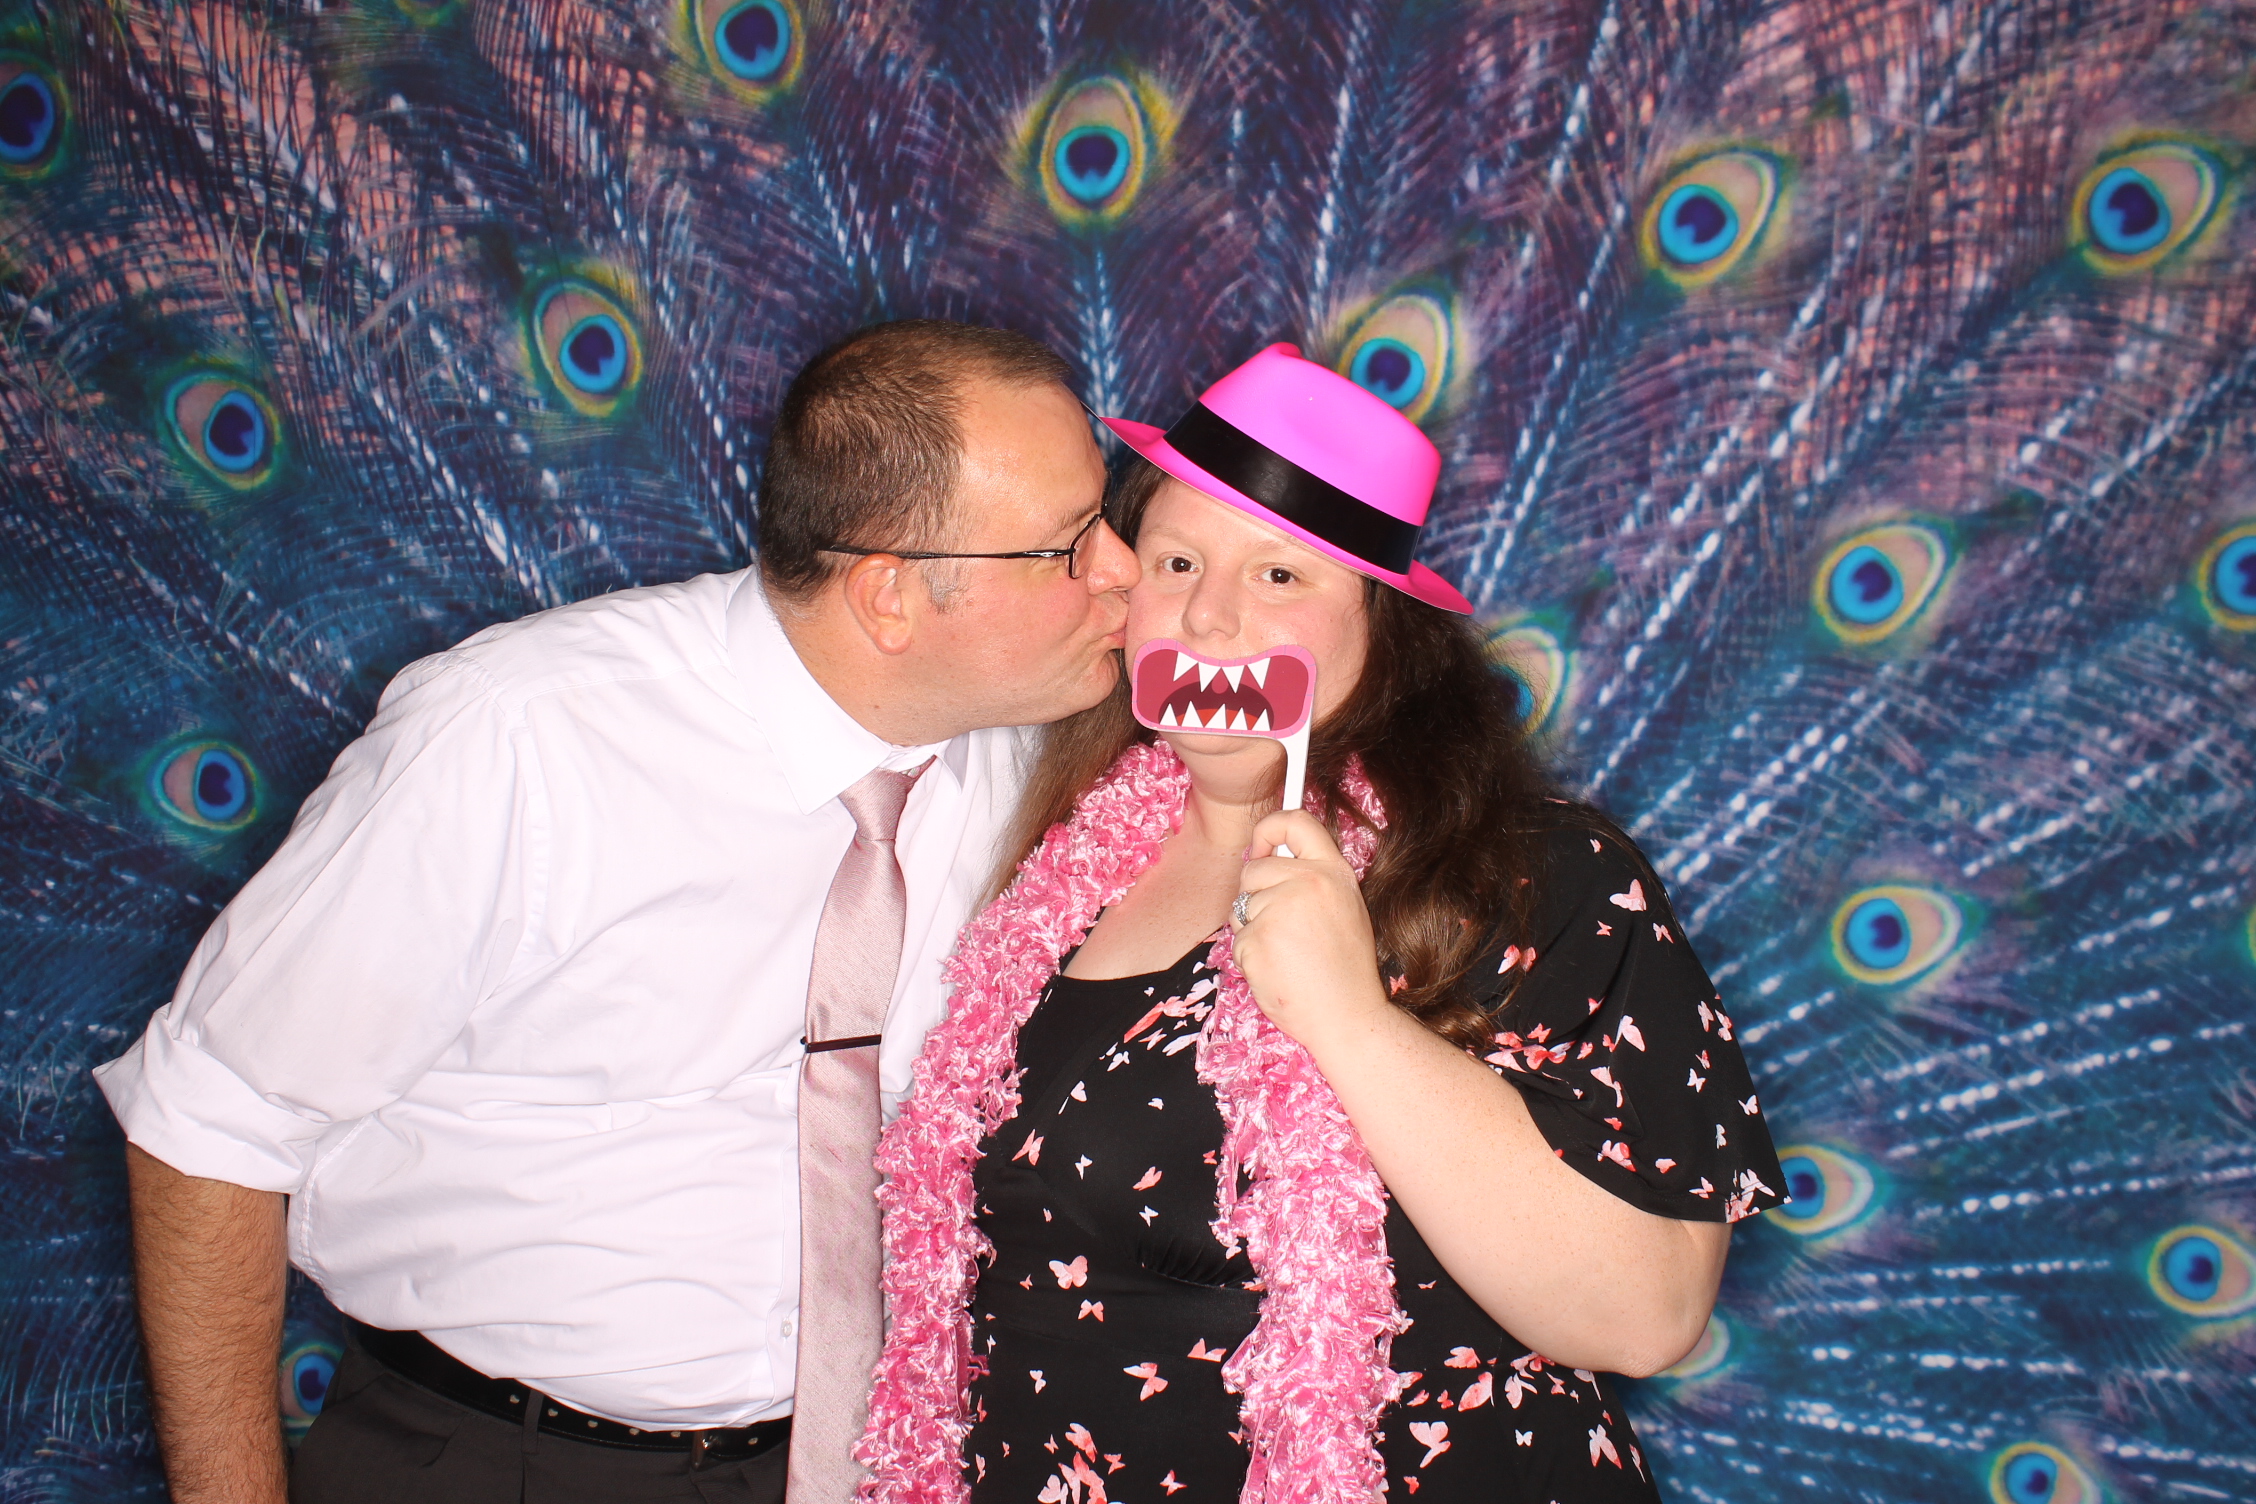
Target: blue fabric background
{"points": [[1847, 412]]}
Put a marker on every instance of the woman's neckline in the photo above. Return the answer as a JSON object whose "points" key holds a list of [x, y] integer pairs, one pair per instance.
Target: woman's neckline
{"points": [[1142, 976]]}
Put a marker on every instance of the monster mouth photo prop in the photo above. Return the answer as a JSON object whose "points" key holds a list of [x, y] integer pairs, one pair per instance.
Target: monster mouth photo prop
{"points": [[1270, 695]]}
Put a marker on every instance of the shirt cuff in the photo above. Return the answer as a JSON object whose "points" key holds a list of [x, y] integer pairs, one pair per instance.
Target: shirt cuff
{"points": [[186, 1108]]}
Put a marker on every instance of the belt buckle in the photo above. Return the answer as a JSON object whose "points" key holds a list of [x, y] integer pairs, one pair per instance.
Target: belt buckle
{"points": [[700, 1451]]}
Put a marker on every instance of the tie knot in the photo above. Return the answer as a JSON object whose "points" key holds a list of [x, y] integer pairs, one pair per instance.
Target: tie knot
{"points": [[877, 798]]}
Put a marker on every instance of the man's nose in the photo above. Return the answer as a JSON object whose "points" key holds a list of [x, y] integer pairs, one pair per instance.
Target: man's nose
{"points": [[1112, 563]]}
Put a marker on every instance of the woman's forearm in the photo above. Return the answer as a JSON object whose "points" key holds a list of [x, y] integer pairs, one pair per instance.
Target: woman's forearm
{"points": [[1579, 1275]]}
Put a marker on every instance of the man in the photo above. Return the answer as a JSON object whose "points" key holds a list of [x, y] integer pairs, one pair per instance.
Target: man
{"points": [[504, 1046]]}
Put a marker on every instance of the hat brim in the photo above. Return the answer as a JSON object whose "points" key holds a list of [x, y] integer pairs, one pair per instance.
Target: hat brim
{"points": [[1420, 583]]}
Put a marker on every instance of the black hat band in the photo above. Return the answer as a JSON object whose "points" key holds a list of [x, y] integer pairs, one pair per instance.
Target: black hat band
{"points": [[1307, 501]]}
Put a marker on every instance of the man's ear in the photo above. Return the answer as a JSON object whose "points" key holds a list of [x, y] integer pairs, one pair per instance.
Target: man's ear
{"points": [[882, 602]]}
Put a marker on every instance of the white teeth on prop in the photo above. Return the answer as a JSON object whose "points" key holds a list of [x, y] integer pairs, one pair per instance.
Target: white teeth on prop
{"points": [[1233, 675], [1263, 723], [1207, 671], [1241, 723], [1260, 672], [1167, 716], [1184, 663]]}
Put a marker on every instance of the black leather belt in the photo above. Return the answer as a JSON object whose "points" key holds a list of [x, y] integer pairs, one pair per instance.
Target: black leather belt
{"points": [[418, 1359]]}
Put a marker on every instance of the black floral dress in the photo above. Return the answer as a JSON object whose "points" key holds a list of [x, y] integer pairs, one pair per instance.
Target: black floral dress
{"points": [[1099, 1330]]}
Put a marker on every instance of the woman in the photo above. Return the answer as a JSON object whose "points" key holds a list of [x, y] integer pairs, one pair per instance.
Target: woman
{"points": [[1239, 1173]]}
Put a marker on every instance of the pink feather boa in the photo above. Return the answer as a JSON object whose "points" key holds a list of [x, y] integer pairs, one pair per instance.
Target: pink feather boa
{"points": [[1314, 1374]]}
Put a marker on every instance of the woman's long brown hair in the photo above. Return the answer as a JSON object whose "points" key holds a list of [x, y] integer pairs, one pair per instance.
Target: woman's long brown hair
{"points": [[1439, 735]]}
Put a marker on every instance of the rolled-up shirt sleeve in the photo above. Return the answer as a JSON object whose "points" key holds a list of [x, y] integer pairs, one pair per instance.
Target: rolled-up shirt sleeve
{"points": [[347, 966]]}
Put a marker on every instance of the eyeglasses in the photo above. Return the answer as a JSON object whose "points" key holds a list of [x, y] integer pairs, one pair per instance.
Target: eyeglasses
{"points": [[1071, 553]]}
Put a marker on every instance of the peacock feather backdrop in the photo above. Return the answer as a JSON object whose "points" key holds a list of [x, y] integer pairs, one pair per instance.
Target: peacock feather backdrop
{"points": [[1849, 409]]}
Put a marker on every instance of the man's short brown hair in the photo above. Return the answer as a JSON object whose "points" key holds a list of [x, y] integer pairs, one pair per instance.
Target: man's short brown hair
{"points": [[869, 444]]}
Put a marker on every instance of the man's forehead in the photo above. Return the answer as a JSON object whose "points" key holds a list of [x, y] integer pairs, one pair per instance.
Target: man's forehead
{"points": [[1079, 503], [985, 399], [1035, 436], [1054, 517]]}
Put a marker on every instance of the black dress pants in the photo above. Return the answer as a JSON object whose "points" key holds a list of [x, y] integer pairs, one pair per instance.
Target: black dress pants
{"points": [[384, 1439]]}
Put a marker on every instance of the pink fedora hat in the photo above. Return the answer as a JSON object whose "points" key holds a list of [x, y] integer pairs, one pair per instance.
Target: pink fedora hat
{"points": [[1312, 454]]}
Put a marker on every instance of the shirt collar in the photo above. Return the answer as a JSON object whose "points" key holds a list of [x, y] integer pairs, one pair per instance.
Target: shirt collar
{"points": [[821, 749]]}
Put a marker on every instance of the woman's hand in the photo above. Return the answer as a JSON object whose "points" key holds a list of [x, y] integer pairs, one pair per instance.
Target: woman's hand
{"points": [[1306, 946]]}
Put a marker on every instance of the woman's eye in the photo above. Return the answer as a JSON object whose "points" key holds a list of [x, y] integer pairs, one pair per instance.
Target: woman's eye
{"points": [[1175, 564], [1278, 576]]}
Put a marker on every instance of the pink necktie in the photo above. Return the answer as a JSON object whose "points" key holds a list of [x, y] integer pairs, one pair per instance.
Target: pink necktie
{"points": [[841, 1314]]}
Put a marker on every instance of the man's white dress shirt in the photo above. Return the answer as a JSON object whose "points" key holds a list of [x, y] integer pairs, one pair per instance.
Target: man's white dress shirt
{"points": [[514, 1014]]}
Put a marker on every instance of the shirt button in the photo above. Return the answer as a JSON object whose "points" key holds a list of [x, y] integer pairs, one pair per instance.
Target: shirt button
{"points": [[787, 1328]]}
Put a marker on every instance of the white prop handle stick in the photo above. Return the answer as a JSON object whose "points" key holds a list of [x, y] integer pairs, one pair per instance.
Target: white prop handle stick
{"points": [[1296, 773], [1271, 695]]}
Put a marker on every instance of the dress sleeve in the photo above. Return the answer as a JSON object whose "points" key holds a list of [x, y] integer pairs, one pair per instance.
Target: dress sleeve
{"points": [[1620, 1044]]}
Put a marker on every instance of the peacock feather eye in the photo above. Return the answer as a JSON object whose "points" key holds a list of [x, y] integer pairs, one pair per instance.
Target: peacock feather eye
{"points": [[1710, 215], [1096, 149], [1402, 350], [1873, 583], [306, 1372], [1537, 665], [206, 784], [31, 117], [1389, 368], [754, 46], [2138, 206], [226, 427], [2202, 1271], [1091, 161], [2030, 1472], [588, 346], [1888, 935], [1826, 1190], [2226, 578], [1707, 1355]]}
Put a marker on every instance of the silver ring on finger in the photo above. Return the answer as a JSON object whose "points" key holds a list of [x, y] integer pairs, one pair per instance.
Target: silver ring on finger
{"points": [[1238, 909]]}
